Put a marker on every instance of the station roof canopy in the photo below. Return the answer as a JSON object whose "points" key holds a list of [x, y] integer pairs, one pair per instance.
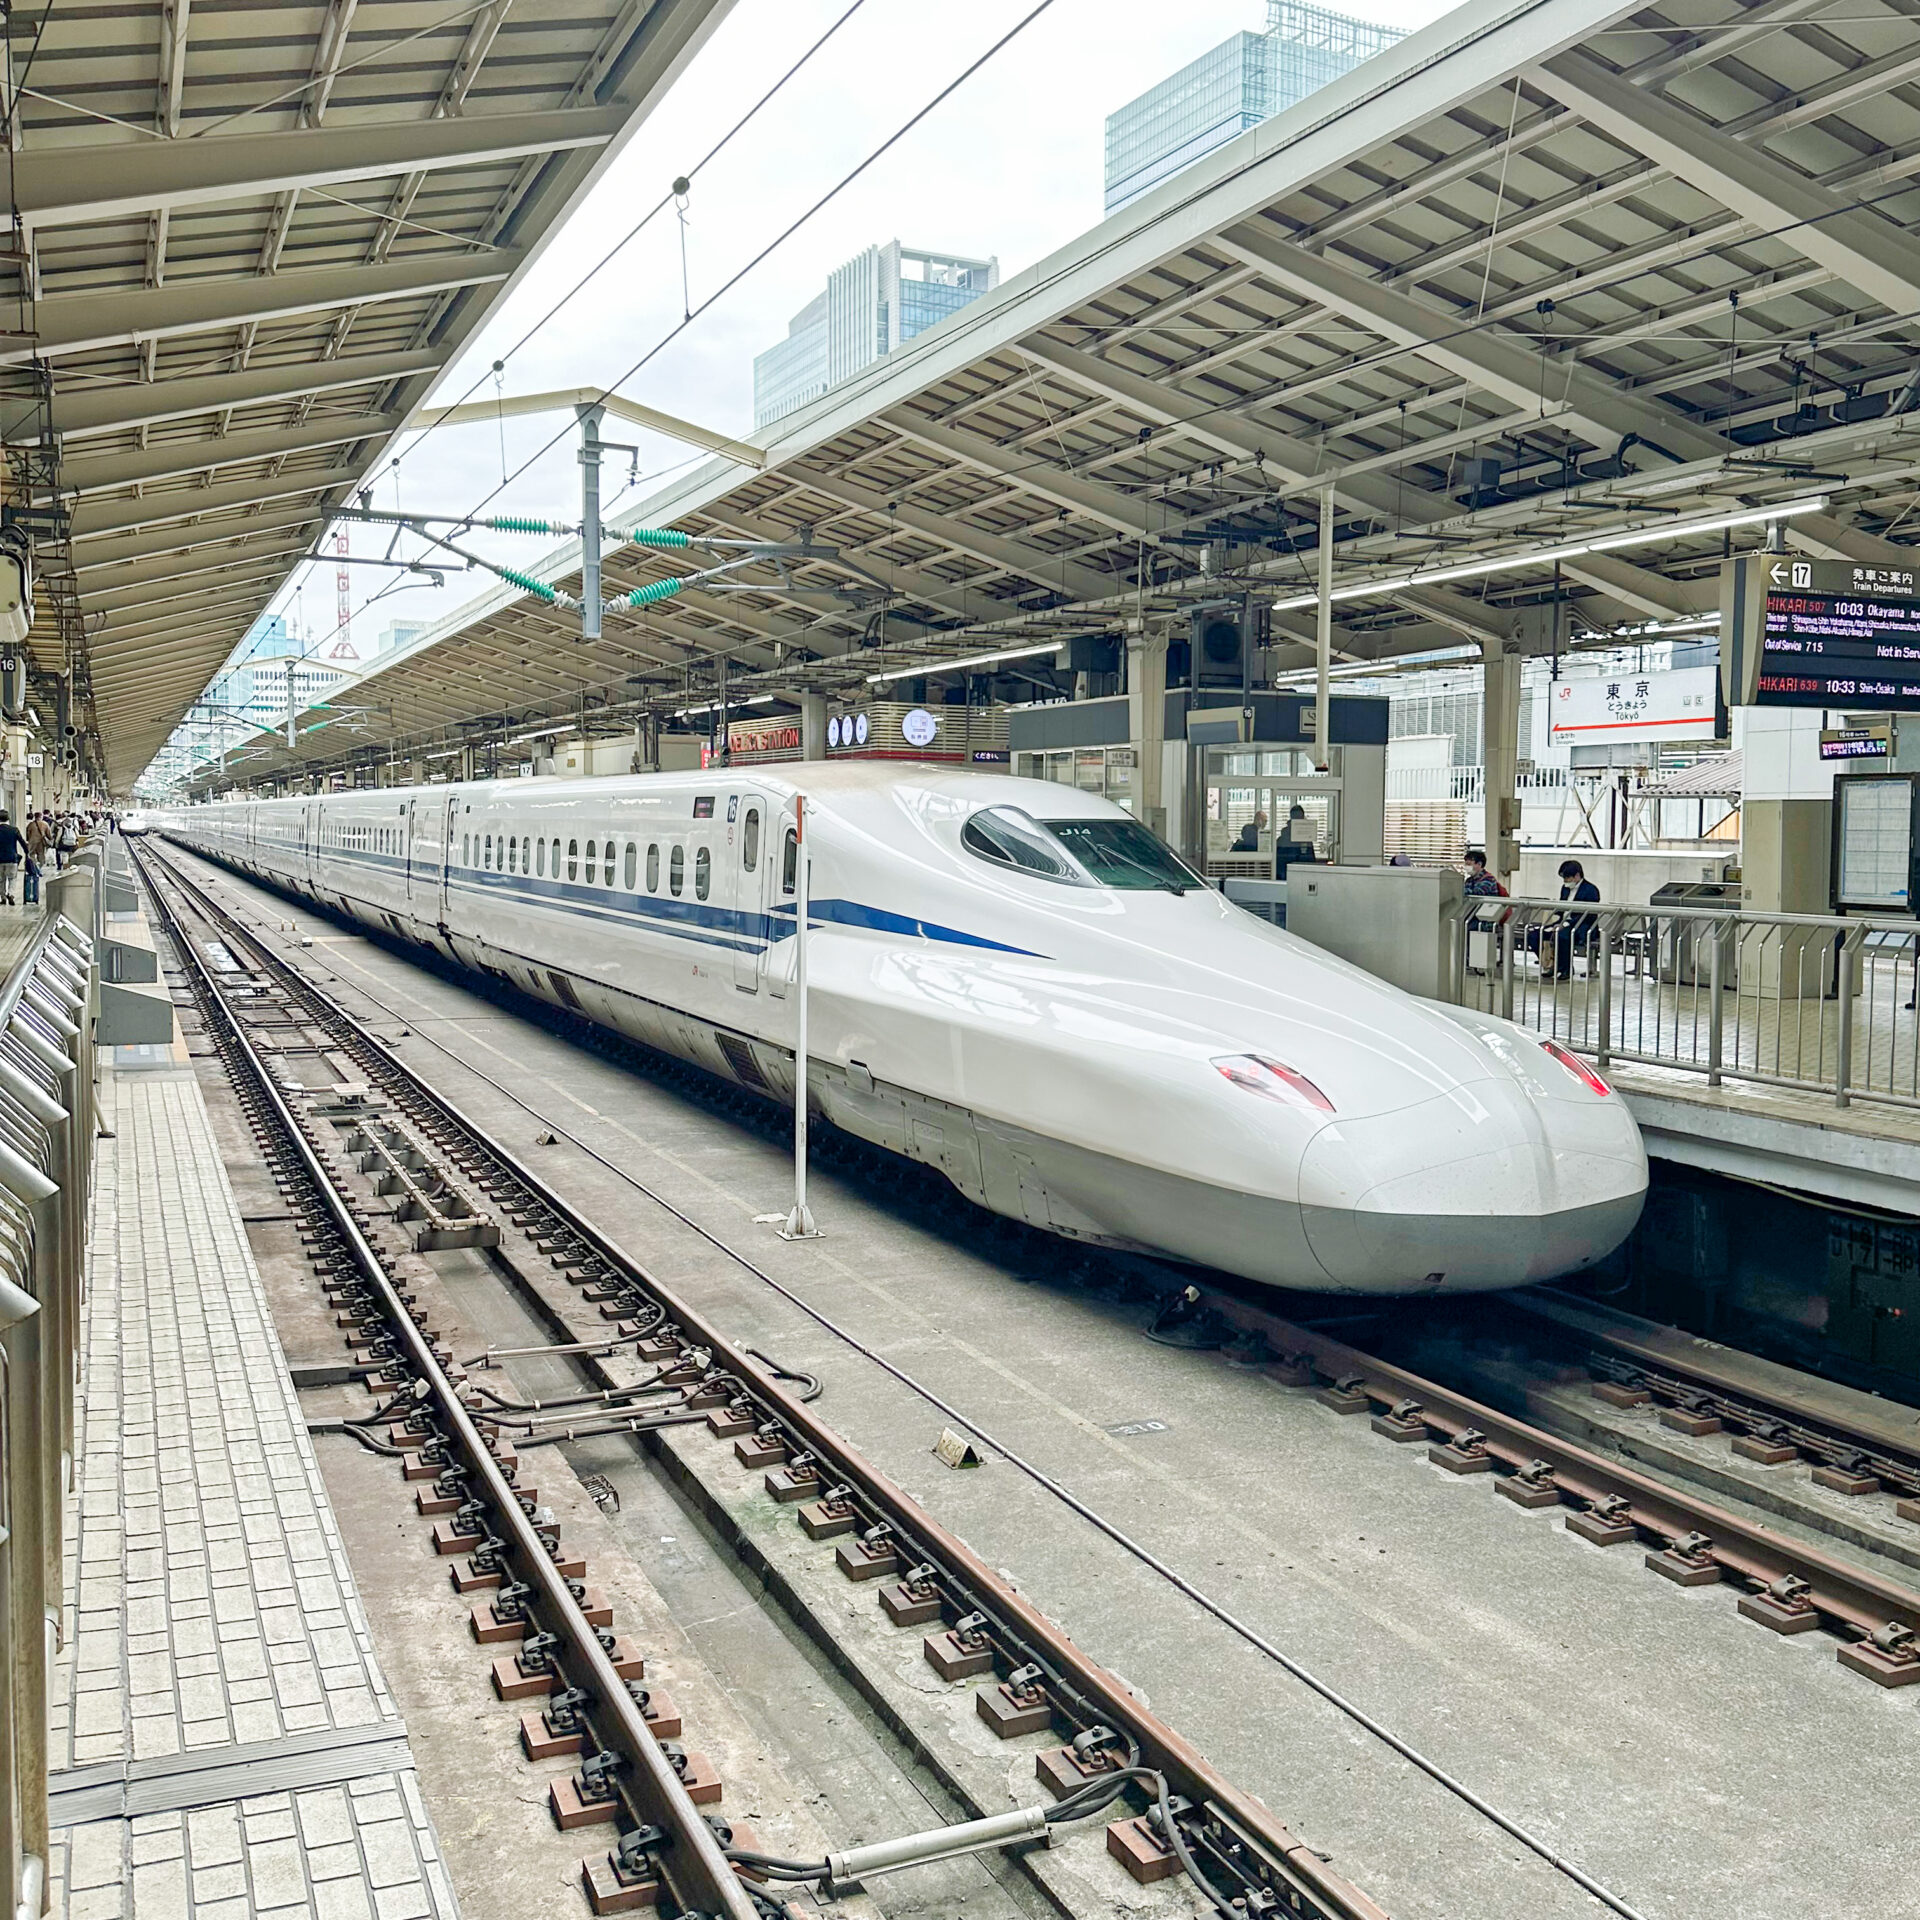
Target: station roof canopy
{"points": [[253, 235], [1538, 276]]}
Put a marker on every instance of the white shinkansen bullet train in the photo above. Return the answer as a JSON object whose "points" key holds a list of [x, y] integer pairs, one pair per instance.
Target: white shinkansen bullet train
{"points": [[1012, 982]]}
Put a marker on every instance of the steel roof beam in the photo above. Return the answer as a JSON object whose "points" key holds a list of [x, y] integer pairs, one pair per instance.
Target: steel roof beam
{"points": [[150, 596], [98, 555], [1513, 372], [1880, 259], [64, 186], [84, 322], [175, 458], [1050, 573], [1644, 591], [93, 518], [85, 411], [132, 576], [1294, 461], [1048, 480]]}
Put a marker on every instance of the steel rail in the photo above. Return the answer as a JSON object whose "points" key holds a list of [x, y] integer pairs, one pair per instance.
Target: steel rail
{"points": [[1294, 1874], [691, 1859], [1853, 1601], [1825, 1437]]}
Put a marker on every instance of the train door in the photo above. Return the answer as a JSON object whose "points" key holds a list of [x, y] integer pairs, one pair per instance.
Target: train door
{"points": [[408, 852], [446, 850], [751, 850]]}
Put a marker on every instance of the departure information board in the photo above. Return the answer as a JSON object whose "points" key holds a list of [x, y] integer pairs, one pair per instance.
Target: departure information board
{"points": [[1820, 633]]}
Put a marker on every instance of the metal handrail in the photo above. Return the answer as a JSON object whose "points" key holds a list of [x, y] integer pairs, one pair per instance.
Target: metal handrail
{"points": [[47, 1128], [1823, 1003]]}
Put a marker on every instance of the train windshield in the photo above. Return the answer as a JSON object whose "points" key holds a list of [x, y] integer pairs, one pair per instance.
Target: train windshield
{"points": [[1009, 837], [1122, 853]]}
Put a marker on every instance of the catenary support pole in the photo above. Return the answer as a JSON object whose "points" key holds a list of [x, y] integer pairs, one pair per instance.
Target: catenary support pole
{"points": [[800, 1224], [590, 418]]}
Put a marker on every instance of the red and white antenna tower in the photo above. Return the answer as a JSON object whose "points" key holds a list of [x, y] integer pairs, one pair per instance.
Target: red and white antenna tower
{"points": [[343, 587]]}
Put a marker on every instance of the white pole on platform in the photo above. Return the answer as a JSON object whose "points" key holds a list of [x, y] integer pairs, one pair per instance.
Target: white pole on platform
{"points": [[800, 1221]]}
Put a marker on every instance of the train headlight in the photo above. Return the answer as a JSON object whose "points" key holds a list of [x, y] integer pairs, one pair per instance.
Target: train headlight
{"points": [[1273, 1080], [1576, 1066]]}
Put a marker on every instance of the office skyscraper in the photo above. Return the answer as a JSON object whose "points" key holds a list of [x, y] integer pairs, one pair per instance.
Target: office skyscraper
{"points": [[879, 300], [1240, 83]]}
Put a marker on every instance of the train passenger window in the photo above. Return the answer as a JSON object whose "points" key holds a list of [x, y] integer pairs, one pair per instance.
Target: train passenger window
{"points": [[590, 859], [629, 866], [487, 861], [513, 854], [750, 840], [466, 852], [677, 872], [573, 859], [556, 859], [702, 873], [790, 863], [540, 856], [653, 866]]}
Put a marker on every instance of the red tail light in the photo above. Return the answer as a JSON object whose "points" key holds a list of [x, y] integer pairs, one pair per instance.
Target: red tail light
{"points": [[1273, 1080], [1576, 1066]]}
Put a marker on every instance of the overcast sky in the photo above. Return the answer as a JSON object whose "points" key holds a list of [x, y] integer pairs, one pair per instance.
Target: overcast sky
{"points": [[1009, 166]]}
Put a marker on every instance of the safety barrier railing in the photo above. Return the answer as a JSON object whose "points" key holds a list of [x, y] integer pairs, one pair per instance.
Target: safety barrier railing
{"points": [[1817, 1002], [47, 1123]]}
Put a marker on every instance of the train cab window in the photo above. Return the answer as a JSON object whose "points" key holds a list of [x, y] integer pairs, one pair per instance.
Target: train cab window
{"points": [[677, 872], [790, 863], [653, 866], [702, 874], [750, 839], [540, 856], [629, 866], [1011, 837], [573, 859], [590, 860], [1123, 853]]}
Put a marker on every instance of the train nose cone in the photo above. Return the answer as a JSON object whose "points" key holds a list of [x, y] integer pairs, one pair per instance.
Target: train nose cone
{"points": [[1468, 1191]]}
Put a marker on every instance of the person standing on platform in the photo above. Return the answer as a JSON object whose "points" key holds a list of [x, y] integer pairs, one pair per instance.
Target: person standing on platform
{"points": [[39, 837], [12, 849], [66, 838]]}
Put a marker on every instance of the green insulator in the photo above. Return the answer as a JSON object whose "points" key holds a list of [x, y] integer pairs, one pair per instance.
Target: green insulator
{"points": [[528, 584], [519, 523], [649, 537], [656, 590]]}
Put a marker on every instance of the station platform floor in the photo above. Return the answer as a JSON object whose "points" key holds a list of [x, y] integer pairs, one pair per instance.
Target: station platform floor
{"points": [[224, 1744]]}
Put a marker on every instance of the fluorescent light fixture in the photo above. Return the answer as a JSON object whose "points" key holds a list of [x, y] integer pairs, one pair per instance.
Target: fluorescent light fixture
{"points": [[1567, 550], [452, 753], [713, 706], [970, 660], [542, 733]]}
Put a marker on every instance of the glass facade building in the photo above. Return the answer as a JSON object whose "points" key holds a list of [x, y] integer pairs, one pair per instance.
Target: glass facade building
{"points": [[878, 300], [1240, 83]]}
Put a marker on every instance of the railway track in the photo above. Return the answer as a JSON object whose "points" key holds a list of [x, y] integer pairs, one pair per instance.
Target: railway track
{"points": [[1697, 1388], [381, 1169], [1783, 1584]]}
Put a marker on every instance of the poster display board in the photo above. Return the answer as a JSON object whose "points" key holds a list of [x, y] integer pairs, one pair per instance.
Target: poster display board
{"points": [[1873, 839]]}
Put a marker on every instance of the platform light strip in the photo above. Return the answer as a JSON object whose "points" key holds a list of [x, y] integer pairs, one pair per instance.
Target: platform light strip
{"points": [[969, 660], [1566, 550]]}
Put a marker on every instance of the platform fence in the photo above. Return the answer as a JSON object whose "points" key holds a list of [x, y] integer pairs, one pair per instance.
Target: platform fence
{"points": [[47, 1123], [1819, 1003]]}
